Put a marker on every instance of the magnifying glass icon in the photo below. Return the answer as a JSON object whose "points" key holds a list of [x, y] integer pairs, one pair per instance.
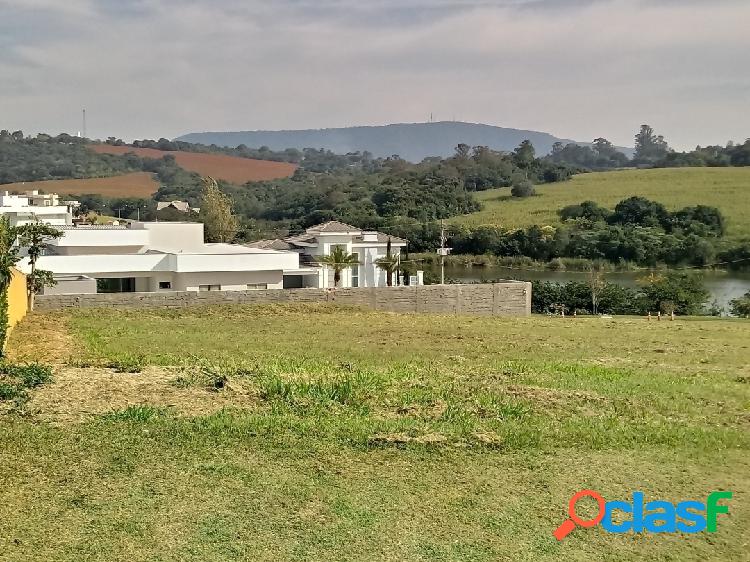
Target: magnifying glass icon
{"points": [[569, 524]]}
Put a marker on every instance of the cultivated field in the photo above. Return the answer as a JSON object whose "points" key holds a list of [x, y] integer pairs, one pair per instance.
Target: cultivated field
{"points": [[229, 168], [139, 184], [322, 433], [725, 188]]}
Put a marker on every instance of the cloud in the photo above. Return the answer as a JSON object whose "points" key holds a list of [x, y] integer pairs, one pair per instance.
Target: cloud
{"points": [[576, 68]]}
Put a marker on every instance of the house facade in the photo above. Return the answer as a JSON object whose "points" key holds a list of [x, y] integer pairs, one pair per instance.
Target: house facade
{"points": [[159, 256], [32, 206], [366, 245]]}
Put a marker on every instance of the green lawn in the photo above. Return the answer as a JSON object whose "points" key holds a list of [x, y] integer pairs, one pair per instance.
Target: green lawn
{"points": [[322, 433], [725, 188]]}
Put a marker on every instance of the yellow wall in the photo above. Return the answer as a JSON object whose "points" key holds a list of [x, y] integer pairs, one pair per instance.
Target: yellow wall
{"points": [[17, 301]]}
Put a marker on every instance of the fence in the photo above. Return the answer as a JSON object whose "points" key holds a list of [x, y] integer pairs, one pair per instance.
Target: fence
{"points": [[512, 298]]}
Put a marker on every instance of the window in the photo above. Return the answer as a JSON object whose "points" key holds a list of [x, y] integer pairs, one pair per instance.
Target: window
{"points": [[115, 285], [257, 286], [209, 287], [355, 272], [165, 284]]}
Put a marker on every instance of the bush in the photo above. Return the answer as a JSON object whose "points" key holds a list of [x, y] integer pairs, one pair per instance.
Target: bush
{"points": [[741, 306], [524, 188], [681, 292]]}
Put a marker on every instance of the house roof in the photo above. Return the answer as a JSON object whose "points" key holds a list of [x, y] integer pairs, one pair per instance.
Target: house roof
{"points": [[333, 226], [272, 244]]}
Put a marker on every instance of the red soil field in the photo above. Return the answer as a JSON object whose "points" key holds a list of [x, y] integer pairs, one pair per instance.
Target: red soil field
{"points": [[229, 168], [139, 184]]}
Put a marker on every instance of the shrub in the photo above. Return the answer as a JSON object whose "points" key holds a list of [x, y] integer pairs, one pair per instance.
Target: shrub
{"points": [[741, 306], [524, 188]]}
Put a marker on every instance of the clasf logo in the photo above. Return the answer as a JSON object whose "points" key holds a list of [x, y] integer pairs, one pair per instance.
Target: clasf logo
{"points": [[654, 517]]}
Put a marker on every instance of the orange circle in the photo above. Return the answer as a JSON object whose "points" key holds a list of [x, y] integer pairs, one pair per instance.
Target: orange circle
{"points": [[572, 508]]}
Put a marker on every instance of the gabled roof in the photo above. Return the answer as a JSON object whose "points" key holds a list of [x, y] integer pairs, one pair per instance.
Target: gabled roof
{"points": [[332, 227], [273, 244]]}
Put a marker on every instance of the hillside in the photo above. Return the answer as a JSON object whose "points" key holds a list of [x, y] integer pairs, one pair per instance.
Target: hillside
{"points": [[725, 188], [229, 168], [411, 141], [139, 184]]}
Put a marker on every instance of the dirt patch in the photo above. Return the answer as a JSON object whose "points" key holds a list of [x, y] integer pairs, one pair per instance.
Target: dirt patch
{"points": [[77, 394], [138, 184], [230, 168], [44, 338]]}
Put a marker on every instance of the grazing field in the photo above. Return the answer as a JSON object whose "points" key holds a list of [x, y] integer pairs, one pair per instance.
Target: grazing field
{"points": [[725, 188], [229, 168], [139, 184], [324, 433]]}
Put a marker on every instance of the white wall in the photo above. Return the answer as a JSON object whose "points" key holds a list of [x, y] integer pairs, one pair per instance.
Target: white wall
{"points": [[168, 236], [228, 280]]}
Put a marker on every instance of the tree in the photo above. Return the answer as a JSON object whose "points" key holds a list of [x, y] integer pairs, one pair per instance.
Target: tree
{"points": [[338, 260], [649, 148], [35, 237], [389, 263], [596, 284], [741, 305], [216, 213], [524, 154], [680, 292]]}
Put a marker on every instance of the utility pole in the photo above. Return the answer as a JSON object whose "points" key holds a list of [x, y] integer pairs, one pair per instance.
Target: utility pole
{"points": [[84, 123], [442, 252]]}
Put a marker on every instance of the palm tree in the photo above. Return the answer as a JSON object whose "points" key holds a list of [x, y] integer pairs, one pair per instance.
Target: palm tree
{"points": [[389, 264], [338, 260]]}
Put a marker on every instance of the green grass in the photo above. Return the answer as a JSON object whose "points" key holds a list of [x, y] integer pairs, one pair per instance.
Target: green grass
{"points": [[725, 188], [356, 435]]}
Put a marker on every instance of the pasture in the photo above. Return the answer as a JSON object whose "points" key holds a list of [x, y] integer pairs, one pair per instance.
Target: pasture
{"points": [[323, 433], [725, 188]]}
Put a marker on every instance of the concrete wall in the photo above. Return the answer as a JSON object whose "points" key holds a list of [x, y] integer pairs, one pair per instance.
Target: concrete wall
{"points": [[505, 299]]}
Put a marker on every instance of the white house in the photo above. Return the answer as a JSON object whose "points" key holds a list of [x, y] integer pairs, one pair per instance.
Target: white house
{"points": [[366, 245], [160, 256], [23, 209]]}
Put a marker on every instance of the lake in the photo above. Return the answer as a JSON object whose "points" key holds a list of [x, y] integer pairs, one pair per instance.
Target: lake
{"points": [[723, 285]]}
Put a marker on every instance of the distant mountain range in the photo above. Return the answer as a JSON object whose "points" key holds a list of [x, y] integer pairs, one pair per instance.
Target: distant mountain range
{"points": [[411, 141]]}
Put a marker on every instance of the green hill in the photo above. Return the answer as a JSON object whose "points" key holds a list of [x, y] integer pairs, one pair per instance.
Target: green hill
{"points": [[725, 188]]}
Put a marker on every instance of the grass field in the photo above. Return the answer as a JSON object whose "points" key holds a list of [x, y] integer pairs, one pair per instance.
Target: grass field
{"points": [[139, 184], [725, 188], [230, 168], [321, 433]]}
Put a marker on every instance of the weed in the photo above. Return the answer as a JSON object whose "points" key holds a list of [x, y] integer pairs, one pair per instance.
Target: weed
{"points": [[135, 414], [128, 363]]}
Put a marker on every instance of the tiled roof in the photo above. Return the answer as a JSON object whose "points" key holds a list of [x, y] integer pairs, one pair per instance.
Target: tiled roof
{"points": [[334, 226], [273, 244]]}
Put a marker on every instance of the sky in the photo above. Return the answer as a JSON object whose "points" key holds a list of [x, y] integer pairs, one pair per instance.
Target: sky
{"points": [[578, 69]]}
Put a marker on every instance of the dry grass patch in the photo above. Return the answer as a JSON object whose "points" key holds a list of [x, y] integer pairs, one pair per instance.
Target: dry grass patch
{"points": [[43, 338], [78, 394]]}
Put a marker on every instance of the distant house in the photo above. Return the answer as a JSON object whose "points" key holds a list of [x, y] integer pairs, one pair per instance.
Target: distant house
{"points": [[32, 206], [367, 245], [182, 206]]}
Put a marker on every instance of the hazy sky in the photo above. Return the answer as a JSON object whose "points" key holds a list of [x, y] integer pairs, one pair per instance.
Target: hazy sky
{"points": [[575, 68]]}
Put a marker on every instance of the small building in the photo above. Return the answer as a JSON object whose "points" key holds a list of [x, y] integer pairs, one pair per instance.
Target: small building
{"points": [[367, 245], [181, 206], [32, 206]]}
